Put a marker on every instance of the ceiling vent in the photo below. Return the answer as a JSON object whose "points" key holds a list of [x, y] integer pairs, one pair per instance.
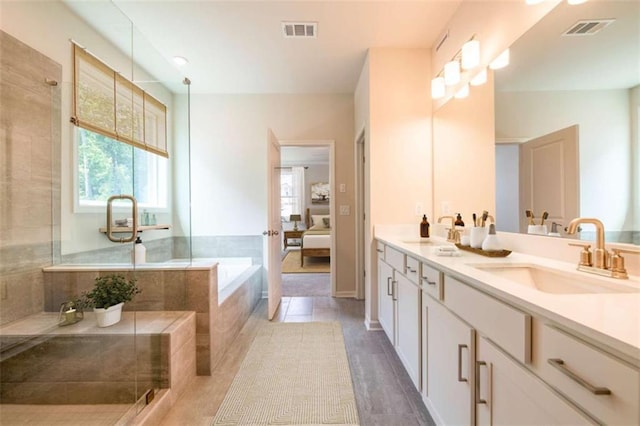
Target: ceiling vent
{"points": [[587, 27], [300, 29]]}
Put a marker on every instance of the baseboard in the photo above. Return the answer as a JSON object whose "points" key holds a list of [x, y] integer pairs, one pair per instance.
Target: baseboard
{"points": [[346, 294], [372, 325]]}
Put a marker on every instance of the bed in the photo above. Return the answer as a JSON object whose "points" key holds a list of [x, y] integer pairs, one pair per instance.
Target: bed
{"points": [[316, 240]]}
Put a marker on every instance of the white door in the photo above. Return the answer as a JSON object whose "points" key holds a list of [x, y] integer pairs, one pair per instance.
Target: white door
{"points": [[408, 330], [549, 178], [274, 225]]}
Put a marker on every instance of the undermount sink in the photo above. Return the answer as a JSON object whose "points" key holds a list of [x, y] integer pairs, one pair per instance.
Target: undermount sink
{"points": [[554, 281]]}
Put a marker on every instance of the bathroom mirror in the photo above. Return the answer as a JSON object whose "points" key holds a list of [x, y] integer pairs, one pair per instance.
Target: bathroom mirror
{"points": [[592, 81]]}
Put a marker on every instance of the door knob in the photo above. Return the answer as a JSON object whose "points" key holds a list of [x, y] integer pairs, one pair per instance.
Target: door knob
{"points": [[267, 233], [275, 233]]}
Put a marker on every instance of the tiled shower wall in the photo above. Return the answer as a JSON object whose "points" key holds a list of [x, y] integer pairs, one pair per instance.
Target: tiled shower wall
{"points": [[30, 123]]}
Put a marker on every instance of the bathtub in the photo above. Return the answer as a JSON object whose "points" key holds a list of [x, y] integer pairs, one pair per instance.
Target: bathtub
{"points": [[232, 272]]}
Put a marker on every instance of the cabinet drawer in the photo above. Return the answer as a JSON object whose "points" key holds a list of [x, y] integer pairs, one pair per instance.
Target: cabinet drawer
{"points": [[380, 250], [580, 370], [395, 258], [508, 327], [412, 270], [432, 281]]}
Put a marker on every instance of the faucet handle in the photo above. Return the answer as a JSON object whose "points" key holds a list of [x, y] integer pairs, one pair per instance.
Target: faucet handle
{"points": [[585, 254]]}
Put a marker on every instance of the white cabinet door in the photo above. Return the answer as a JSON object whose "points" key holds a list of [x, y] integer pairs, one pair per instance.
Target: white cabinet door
{"points": [[450, 352], [386, 302], [508, 394], [408, 327]]}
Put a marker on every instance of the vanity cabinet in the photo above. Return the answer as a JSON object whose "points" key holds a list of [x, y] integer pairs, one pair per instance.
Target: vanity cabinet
{"points": [[399, 307], [448, 364], [386, 296], [507, 394], [408, 327], [489, 360]]}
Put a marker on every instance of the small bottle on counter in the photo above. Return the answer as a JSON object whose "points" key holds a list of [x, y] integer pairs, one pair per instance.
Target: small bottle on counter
{"points": [[491, 242], [424, 227], [139, 253], [459, 221]]}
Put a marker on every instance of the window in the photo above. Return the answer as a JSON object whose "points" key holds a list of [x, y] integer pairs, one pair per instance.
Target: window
{"points": [[106, 167], [291, 191]]}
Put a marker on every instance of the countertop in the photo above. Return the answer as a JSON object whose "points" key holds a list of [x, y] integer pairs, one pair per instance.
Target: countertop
{"points": [[611, 319]]}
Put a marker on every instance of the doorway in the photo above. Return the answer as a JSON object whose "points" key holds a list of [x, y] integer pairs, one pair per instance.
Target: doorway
{"points": [[307, 215]]}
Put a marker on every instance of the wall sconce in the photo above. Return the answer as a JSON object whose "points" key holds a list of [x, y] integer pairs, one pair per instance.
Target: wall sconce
{"points": [[501, 61], [480, 78], [452, 73], [470, 56], [295, 218], [438, 88], [462, 93]]}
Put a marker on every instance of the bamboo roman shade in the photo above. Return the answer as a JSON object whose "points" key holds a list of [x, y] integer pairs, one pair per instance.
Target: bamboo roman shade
{"points": [[109, 104]]}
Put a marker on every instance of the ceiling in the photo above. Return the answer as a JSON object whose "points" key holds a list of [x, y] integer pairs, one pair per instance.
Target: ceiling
{"points": [[543, 59], [238, 46]]}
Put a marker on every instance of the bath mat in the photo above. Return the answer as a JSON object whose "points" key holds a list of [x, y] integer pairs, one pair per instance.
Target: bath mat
{"points": [[291, 264], [293, 374]]}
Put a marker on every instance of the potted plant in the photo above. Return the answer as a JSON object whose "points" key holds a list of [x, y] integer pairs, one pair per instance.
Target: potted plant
{"points": [[107, 297]]}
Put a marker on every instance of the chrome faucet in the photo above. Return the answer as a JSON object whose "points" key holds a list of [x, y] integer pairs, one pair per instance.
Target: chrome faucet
{"points": [[603, 263], [453, 235]]}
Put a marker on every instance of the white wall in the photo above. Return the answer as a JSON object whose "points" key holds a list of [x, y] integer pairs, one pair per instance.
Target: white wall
{"points": [[47, 26], [229, 161], [605, 150]]}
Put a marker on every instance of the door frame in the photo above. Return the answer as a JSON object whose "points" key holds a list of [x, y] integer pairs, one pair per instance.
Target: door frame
{"points": [[361, 219], [330, 143]]}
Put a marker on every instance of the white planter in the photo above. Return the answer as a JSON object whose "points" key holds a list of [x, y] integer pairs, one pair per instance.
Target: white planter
{"points": [[109, 316]]}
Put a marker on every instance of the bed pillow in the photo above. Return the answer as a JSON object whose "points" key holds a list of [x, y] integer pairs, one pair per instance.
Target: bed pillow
{"points": [[318, 222]]}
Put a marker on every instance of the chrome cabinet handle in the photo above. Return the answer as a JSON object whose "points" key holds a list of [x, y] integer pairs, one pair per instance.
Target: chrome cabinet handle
{"points": [[413, 271], [393, 290], [478, 399], [559, 364], [380, 251], [389, 292], [460, 378], [428, 282]]}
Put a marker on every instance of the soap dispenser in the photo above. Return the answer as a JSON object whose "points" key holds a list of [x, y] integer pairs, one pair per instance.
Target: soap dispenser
{"points": [[491, 242], [459, 221], [139, 252], [424, 227]]}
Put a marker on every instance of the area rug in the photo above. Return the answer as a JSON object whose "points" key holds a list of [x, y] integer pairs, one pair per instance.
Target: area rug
{"points": [[291, 264], [293, 374]]}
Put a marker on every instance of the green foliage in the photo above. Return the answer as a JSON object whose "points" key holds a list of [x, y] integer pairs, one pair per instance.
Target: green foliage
{"points": [[110, 290]]}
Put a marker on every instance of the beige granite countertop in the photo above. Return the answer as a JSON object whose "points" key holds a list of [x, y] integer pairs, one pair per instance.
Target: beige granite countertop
{"points": [[612, 319]]}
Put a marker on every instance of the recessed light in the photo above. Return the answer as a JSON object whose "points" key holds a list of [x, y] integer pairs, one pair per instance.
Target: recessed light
{"points": [[180, 60]]}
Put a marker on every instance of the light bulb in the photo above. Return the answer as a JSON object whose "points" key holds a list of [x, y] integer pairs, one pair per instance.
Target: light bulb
{"points": [[501, 61], [463, 92], [180, 60], [437, 88], [452, 73], [480, 78], [470, 54]]}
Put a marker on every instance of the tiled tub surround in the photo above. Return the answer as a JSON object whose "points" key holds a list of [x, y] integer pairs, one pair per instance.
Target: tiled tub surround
{"points": [[86, 364], [172, 286], [30, 126]]}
